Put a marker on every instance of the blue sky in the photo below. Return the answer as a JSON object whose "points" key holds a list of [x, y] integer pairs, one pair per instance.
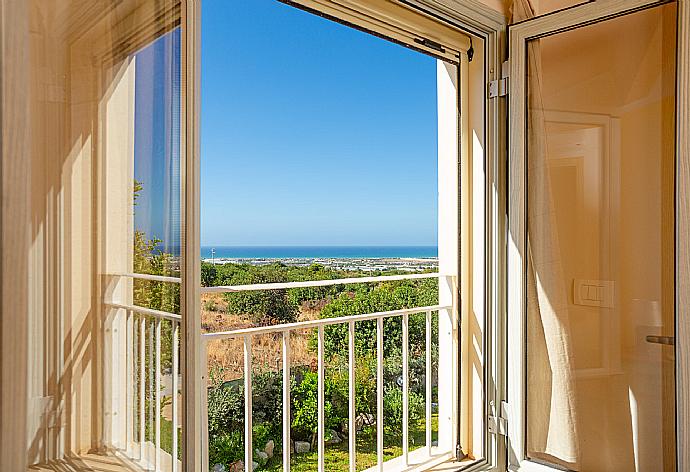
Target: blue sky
{"points": [[312, 133]]}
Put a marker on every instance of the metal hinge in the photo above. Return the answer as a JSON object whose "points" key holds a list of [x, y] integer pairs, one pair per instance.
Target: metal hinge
{"points": [[499, 87], [498, 420]]}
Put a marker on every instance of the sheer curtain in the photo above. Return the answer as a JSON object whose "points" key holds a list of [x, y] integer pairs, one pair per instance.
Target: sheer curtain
{"points": [[552, 427]]}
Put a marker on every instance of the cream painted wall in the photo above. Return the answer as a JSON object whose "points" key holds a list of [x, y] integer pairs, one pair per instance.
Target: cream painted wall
{"points": [[500, 6]]}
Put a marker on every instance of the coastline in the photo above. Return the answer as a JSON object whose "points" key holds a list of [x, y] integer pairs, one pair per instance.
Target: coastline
{"points": [[364, 264]]}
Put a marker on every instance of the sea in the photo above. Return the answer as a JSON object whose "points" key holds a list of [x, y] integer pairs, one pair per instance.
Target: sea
{"points": [[318, 252]]}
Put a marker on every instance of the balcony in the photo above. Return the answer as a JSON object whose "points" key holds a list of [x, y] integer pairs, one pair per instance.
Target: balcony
{"points": [[146, 372]]}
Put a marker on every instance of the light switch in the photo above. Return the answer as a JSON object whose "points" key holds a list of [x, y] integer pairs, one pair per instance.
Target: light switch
{"points": [[593, 293]]}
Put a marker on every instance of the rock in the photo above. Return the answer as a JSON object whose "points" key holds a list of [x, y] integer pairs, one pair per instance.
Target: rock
{"points": [[255, 465], [364, 419], [301, 447], [261, 457], [270, 445], [219, 468], [332, 437], [434, 443], [237, 466]]}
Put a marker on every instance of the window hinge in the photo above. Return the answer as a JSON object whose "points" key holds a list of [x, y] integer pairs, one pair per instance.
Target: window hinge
{"points": [[499, 87], [498, 420]]}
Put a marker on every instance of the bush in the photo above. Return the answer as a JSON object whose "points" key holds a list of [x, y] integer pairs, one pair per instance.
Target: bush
{"points": [[225, 405], [393, 411], [270, 306], [273, 306], [226, 415], [387, 296], [210, 305], [226, 448], [304, 406]]}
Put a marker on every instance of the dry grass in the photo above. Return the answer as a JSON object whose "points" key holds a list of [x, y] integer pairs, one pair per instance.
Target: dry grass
{"points": [[266, 349]]}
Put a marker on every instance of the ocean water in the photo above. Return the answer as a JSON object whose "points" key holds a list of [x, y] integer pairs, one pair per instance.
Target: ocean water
{"points": [[318, 252]]}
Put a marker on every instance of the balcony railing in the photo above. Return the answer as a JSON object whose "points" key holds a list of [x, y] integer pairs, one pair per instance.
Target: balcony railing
{"points": [[138, 435], [144, 325]]}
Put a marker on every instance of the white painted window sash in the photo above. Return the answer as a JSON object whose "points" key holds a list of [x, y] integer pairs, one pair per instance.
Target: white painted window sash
{"points": [[520, 34]]}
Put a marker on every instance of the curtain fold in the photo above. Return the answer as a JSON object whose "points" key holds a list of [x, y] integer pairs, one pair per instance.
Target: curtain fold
{"points": [[552, 427]]}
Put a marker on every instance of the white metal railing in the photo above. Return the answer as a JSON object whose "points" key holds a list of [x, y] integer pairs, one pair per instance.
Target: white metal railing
{"points": [[143, 352], [138, 317], [285, 330]]}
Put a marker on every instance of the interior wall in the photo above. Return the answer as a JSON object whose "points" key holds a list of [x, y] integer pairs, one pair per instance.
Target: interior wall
{"points": [[500, 6]]}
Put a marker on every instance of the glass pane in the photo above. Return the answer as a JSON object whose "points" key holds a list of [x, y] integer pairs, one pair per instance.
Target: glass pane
{"points": [[156, 238], [600, 279], [100, 89]]}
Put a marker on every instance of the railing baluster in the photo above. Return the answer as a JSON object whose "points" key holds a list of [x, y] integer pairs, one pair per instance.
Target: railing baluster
{"points": [[351, 427], [248, 451], [129, 420], [142, 385], [175, 388], [321, 403], [157, 419], [204, 406], [405, 386], [379, 392], [286, 401], [151, 419], [428, 382]]}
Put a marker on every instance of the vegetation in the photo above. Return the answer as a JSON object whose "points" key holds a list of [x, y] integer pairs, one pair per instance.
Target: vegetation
{"points": [[226, 395], [226, 400]]}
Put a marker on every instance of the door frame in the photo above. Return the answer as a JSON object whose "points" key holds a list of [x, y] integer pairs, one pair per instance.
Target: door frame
{"points": [[518, 36]]}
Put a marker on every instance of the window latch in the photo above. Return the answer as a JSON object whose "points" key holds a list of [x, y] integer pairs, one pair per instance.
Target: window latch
{"points": [[430, 44]]}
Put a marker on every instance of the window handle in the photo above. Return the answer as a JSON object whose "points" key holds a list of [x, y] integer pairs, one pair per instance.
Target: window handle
{"points": [[667, 340]]}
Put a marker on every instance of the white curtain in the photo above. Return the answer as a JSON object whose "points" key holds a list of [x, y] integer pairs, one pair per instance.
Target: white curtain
{"points": [[552, 429]]}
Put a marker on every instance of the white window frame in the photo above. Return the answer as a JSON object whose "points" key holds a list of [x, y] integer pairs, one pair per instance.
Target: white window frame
{"points": [[473, 18], [520, 34]]}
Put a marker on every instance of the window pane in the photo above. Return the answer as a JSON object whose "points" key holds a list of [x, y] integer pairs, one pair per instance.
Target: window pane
{"points": [[600, 281], [100, 109]]}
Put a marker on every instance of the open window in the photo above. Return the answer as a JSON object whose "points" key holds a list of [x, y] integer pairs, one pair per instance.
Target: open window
{"points": [[460, 377], [596, 236], [108, 368]]}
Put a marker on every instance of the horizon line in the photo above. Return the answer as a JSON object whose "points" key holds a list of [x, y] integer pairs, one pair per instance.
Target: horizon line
{"points": [[319, 245]]}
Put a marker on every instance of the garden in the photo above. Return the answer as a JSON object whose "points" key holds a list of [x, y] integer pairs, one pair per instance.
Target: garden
{"points": [[260, 308]]}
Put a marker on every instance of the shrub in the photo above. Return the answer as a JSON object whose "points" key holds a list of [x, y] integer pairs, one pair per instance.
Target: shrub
{"points": [[267, 403], [225, 405], [261, 305], [226, 448], [393, 410], [210, 305], [208, 274], [304, 406], [383, 297]]}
